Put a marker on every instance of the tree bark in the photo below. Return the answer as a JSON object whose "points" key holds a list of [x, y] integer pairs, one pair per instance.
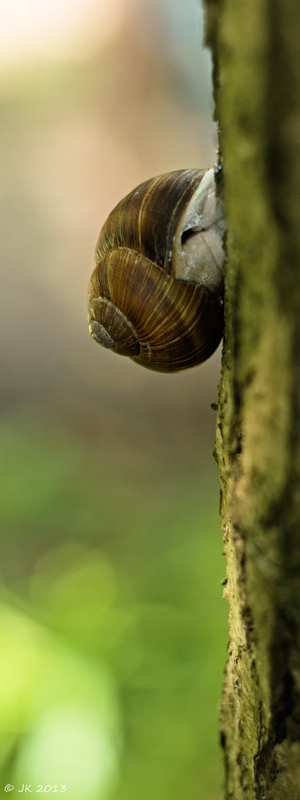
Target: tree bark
{"points": [[256, 56]]}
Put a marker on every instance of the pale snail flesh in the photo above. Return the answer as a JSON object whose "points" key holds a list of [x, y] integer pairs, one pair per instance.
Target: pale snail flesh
{"points": [[156, 291]]}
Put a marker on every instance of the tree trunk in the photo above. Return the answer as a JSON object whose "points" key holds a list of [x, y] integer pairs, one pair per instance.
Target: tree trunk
{"points": [[256, 56]]}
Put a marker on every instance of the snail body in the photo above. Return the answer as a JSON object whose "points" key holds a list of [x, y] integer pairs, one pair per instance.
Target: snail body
{"points": [[155, 294]]}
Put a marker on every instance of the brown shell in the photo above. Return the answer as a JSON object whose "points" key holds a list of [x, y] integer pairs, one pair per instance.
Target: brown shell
{"points": [[136, 306]]}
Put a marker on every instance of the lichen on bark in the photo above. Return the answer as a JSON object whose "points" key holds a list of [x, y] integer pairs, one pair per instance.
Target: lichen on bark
{"points": [[256, 56]]}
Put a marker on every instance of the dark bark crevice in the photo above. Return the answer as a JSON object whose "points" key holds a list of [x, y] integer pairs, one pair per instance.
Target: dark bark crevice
{"points": [[256, 73]]}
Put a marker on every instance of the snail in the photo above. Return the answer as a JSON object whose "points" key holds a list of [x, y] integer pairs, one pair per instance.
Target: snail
{"points": [[156, 291]]}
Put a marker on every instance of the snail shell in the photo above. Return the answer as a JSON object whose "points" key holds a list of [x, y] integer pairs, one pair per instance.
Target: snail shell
{"points": [[155, 294]]}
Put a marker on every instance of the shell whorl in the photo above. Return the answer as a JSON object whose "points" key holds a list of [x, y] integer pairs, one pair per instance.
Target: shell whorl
{"points": [[140, 302]]}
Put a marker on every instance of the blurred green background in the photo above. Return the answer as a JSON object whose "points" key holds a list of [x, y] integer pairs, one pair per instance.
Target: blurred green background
{"points": [[112, 627]]}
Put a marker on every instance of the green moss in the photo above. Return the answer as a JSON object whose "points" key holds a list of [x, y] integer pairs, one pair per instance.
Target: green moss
{"points": [[257, 91]]}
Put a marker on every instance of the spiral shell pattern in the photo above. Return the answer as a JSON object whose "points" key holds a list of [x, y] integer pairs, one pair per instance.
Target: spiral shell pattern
{"points": [[137, 306]]}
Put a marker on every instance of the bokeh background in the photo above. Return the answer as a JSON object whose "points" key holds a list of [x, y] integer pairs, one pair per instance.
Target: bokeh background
{"points": [[112, 627]]}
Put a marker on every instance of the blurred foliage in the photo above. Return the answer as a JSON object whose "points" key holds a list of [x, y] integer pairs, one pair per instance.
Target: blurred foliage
{"points": [[112, 627]]}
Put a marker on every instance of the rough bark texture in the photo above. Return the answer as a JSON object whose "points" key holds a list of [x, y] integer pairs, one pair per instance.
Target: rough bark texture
{"points": [[256, 53]]}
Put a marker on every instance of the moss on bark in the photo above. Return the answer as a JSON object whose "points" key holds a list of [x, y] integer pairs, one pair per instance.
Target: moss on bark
{"points": [[256, 56]]}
